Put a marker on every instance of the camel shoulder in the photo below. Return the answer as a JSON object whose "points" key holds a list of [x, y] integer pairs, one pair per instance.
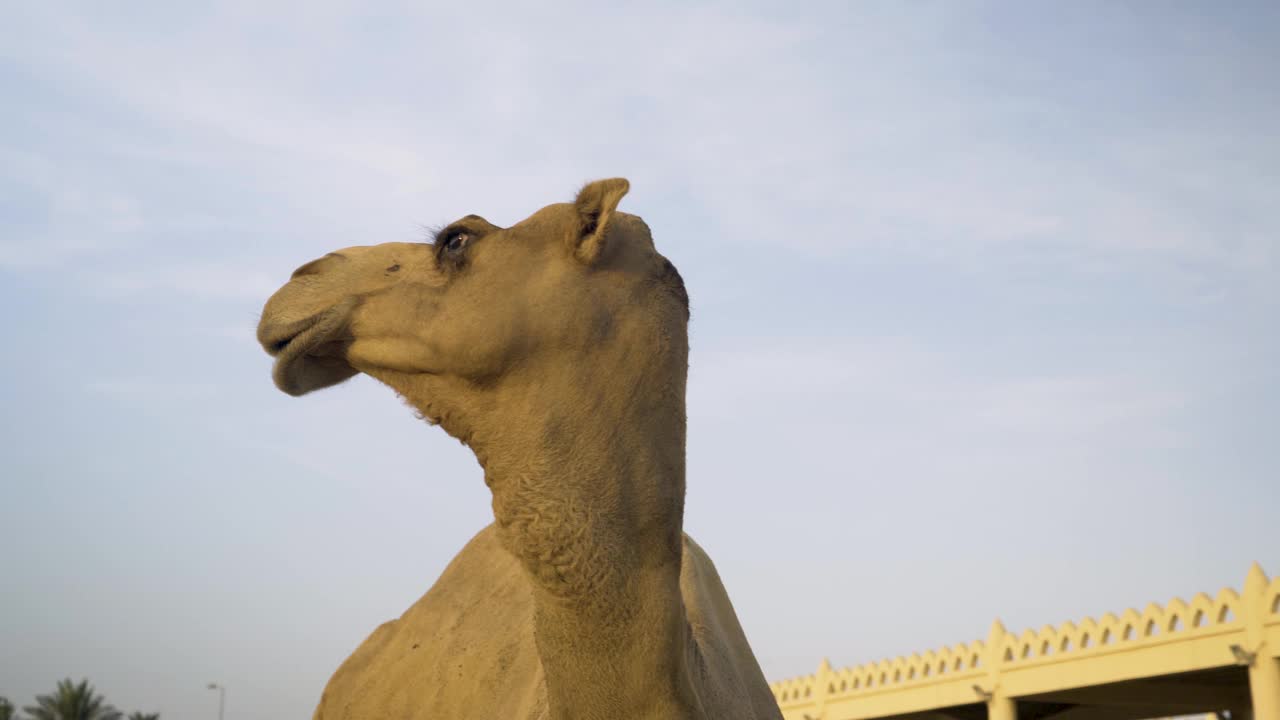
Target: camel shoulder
{"points": [[464, 649], [730, 670]]}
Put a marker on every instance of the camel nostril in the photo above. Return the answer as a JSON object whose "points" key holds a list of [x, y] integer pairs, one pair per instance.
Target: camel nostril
{"points": [[308, 269]]}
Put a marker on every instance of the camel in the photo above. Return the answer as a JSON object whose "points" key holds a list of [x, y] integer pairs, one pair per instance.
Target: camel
{"points": [[557, 351]]}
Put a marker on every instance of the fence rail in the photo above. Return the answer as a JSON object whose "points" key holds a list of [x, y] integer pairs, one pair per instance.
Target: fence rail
{"points": [[1227, 629]]}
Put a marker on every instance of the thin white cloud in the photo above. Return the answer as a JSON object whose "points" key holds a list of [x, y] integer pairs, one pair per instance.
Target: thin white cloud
{"points": [[876, 383], [211, 280], [81, 215], [146, 390], [874, 149]]}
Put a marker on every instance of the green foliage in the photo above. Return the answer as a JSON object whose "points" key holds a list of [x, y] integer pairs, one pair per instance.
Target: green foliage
{"points": [[6, 709], [144, 716], [72, 702]]}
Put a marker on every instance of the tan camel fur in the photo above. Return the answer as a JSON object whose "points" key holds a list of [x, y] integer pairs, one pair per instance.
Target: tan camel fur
{"points": [[557, 350]]}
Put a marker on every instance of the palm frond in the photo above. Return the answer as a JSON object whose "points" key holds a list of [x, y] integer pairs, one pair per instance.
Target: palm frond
{"points": [[72, 701]]}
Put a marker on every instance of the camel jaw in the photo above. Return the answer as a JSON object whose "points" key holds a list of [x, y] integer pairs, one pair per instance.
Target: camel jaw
{"points": [[308, 352]]}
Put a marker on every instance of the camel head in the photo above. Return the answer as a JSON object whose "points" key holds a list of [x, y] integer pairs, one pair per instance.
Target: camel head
{"points": [[485, 313]]}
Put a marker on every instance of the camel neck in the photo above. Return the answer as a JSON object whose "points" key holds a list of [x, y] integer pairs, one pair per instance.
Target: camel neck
{"points": [[588, 493], [582, 457]]}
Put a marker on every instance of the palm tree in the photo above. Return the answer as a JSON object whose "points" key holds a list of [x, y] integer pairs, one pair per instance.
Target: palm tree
{"points": [[72, 702], [144, 716], [6, 709]]}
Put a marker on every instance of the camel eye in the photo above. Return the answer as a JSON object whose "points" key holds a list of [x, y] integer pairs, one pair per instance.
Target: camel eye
{"points": [[457, 242]]}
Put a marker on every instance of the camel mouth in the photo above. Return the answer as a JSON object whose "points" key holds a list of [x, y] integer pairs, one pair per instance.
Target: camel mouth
{"points": [[277, 340], [308, 353]]}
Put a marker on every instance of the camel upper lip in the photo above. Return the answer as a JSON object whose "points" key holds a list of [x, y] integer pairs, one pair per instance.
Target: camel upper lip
{"points": [[276, 342]]}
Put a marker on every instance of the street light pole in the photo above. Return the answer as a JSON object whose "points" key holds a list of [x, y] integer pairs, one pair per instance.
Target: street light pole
{"points": [[222, 697]]}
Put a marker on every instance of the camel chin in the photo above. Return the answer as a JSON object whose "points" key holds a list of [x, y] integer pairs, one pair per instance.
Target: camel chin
{"points": [[304, 374]]}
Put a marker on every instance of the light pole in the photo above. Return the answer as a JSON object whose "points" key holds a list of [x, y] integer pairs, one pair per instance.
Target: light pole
{"points": [[222, 697]]}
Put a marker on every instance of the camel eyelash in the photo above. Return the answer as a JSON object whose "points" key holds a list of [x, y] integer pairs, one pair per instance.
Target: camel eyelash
{"points": [[439, 237], [441, 233], [454, 261]]}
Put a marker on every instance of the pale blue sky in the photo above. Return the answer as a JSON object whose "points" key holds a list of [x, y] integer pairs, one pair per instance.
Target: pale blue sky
{"points": [[986, 299]]}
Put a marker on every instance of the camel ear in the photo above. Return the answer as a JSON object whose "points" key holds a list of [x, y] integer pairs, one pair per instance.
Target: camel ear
{"points": [[595, 205]]}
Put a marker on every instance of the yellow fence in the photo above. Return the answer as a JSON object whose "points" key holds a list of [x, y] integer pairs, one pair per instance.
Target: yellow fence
{"points": [[1157, 652]]}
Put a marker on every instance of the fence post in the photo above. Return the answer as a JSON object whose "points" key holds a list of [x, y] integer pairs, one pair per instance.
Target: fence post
{"points": [[822, 680], [999, 705], [1264, 667]]}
